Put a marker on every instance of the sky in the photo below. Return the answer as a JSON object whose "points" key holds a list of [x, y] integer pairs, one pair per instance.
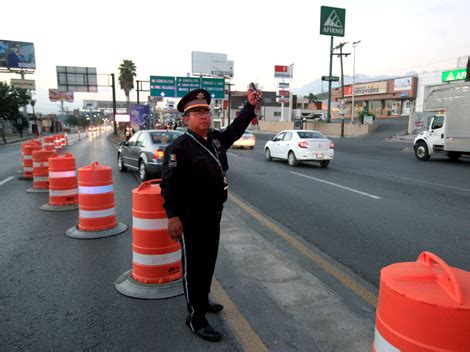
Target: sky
{"points": [[158, 36]]}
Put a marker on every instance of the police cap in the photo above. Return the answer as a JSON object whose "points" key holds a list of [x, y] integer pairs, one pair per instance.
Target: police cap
{"points": [[197, 98]]}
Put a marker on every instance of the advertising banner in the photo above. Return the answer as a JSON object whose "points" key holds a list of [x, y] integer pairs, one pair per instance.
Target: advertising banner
{"points": [[29, 84], [122, 118], [366, 89], [139, 117], [402, 84], [282, 71], [17, 55], [77, 79], [56, 95]]}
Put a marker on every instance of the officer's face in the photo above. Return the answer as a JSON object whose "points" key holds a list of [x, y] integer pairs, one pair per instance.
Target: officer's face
{"points": [[199, 120]]}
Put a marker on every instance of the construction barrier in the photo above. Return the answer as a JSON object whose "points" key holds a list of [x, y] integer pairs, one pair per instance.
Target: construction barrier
{"points": [[40, 171], [156, 258], [49, 142], [57, 143], [27, 156], [63, 185], [97, 216], [423, 306]]}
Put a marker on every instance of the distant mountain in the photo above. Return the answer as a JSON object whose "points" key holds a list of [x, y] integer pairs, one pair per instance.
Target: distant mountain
{"points": [[318, 86]]}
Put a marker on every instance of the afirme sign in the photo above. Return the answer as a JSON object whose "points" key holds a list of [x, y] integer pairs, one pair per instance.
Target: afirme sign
{"points": [[454, 75], [332, 21]]}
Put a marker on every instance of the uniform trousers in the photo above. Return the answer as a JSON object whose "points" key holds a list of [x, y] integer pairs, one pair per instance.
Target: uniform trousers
{"points": [[199, 246]]}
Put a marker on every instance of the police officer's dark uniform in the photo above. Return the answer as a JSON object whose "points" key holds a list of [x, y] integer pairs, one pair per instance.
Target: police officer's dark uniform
{"points": [[194, 188]]}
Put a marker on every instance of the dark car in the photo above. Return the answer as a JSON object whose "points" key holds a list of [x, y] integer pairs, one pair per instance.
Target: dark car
{"points": [[143, 152]]}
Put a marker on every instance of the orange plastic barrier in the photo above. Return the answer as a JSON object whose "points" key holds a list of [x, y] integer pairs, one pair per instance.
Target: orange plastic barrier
{"points": [[156, 257], [61, 140], [57, 143], [49, 142], [63, 186], [96, 198], [27, 153], [423, 306], [41, 168]]}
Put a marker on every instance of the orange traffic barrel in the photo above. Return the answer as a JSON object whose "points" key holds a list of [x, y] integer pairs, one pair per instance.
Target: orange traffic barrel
{"points": [[40, 171], [27, 155], [63, 185], [49, 142], [97, 215], [156, 258], [61, 140], [423, 306], [57, 143]]}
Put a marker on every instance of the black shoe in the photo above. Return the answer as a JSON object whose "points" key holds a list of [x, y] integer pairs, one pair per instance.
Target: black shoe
{"points": [[213, 307], [206, 332]]}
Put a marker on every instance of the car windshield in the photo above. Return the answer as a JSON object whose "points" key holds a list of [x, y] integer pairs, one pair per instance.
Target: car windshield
{"points": [[164, 137], [310, 135]]}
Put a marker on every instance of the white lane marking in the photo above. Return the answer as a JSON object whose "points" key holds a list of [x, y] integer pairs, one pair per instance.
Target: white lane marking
{"points": [[337, 185], [233, 154], [421, 181], [6, 180]]}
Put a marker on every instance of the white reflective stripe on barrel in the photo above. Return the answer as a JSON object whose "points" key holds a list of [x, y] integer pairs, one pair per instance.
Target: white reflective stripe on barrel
{"points": [[28, 169], [156, 259], [382, 345], [95, 190], [149, 224], [40, 164], [95, 214], [60, 193], [40, 179], [28, 157], [62, 174]]}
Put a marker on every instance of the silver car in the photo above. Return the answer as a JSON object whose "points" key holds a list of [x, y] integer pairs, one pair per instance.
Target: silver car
{"points": [[144, 151]]}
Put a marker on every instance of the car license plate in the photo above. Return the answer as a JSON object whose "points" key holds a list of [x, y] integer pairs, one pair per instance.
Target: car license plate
{"points": [[319, 156]]}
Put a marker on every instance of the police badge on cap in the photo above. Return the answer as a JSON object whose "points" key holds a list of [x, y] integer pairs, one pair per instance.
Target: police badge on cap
{"points": [[197, 98]]}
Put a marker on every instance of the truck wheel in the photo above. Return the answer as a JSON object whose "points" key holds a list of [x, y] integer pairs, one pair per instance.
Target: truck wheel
{"points": [[454, 156], [421, 151]]}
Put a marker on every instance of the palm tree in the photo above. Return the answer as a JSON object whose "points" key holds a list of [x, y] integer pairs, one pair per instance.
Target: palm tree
{"points": [[127, 72]]}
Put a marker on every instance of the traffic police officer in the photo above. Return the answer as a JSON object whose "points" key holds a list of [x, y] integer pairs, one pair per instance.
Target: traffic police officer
{"points": [[194, 188]]}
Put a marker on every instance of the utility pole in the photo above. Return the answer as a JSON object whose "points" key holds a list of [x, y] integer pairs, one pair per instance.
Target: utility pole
{"points": [[341, 54], [291, 98], [137, 83], [113, 85], [353, 110]]}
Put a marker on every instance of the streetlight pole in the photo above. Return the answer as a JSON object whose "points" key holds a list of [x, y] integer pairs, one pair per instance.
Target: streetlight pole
{"points": [[353, 110], [291, 99]]}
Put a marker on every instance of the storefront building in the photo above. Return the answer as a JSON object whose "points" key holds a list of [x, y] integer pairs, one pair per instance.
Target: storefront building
{"points": [[386, 98]]}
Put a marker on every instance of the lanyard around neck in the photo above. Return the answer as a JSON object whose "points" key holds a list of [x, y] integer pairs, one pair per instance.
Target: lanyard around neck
{"points": [[215, 157]]}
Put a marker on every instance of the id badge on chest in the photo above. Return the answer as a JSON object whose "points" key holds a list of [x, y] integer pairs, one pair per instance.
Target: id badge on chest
{"points": [[225, 181]]}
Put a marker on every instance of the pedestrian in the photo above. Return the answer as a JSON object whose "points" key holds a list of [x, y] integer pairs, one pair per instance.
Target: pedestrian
{"points": [[194, 189]]}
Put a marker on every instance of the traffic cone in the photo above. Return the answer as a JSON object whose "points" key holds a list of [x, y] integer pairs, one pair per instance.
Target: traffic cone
{"points": [[156, 258], [97, 215]]}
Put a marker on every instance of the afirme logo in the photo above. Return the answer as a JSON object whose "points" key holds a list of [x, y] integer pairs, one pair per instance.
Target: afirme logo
{"points": [[332, 21], [333, 24]]}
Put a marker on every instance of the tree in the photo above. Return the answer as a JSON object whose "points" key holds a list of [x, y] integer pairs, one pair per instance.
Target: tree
{"points": [[312, 98], [127, 72], [11, 99]]}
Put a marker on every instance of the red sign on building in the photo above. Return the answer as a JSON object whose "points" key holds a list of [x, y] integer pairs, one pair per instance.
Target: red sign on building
{"points": [[284, 93], [281, 71]]}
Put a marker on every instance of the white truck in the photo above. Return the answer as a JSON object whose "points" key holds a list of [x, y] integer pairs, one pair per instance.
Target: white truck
{"points": [[449, 129]]}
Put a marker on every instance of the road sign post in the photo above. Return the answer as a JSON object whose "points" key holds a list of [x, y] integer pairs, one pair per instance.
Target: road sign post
{"points": [[332, 23]]}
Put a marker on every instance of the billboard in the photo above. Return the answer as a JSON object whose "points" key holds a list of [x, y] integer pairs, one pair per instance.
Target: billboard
{"points": [[77, 79], [56, 95], [211, 64], [19, 55], [139, 117], [366, 89], [400, 84], [29, 84]]}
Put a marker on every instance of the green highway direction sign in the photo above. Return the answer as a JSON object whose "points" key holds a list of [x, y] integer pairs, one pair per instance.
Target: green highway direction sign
{"points": [[215, 87], [186, 84], [330, 78], [162, 86], [454, 75], [332, 21]]}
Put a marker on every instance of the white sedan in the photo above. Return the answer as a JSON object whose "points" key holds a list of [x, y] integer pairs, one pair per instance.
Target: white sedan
{"points": [[300, 145]]}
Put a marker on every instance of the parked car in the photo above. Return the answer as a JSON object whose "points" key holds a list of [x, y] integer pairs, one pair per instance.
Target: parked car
{"points": [[247, 140], [143, 152], [300, 145]]}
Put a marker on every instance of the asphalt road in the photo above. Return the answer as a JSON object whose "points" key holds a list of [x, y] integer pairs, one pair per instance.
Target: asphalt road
{"points": [[422, 206], [374, 205]]}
